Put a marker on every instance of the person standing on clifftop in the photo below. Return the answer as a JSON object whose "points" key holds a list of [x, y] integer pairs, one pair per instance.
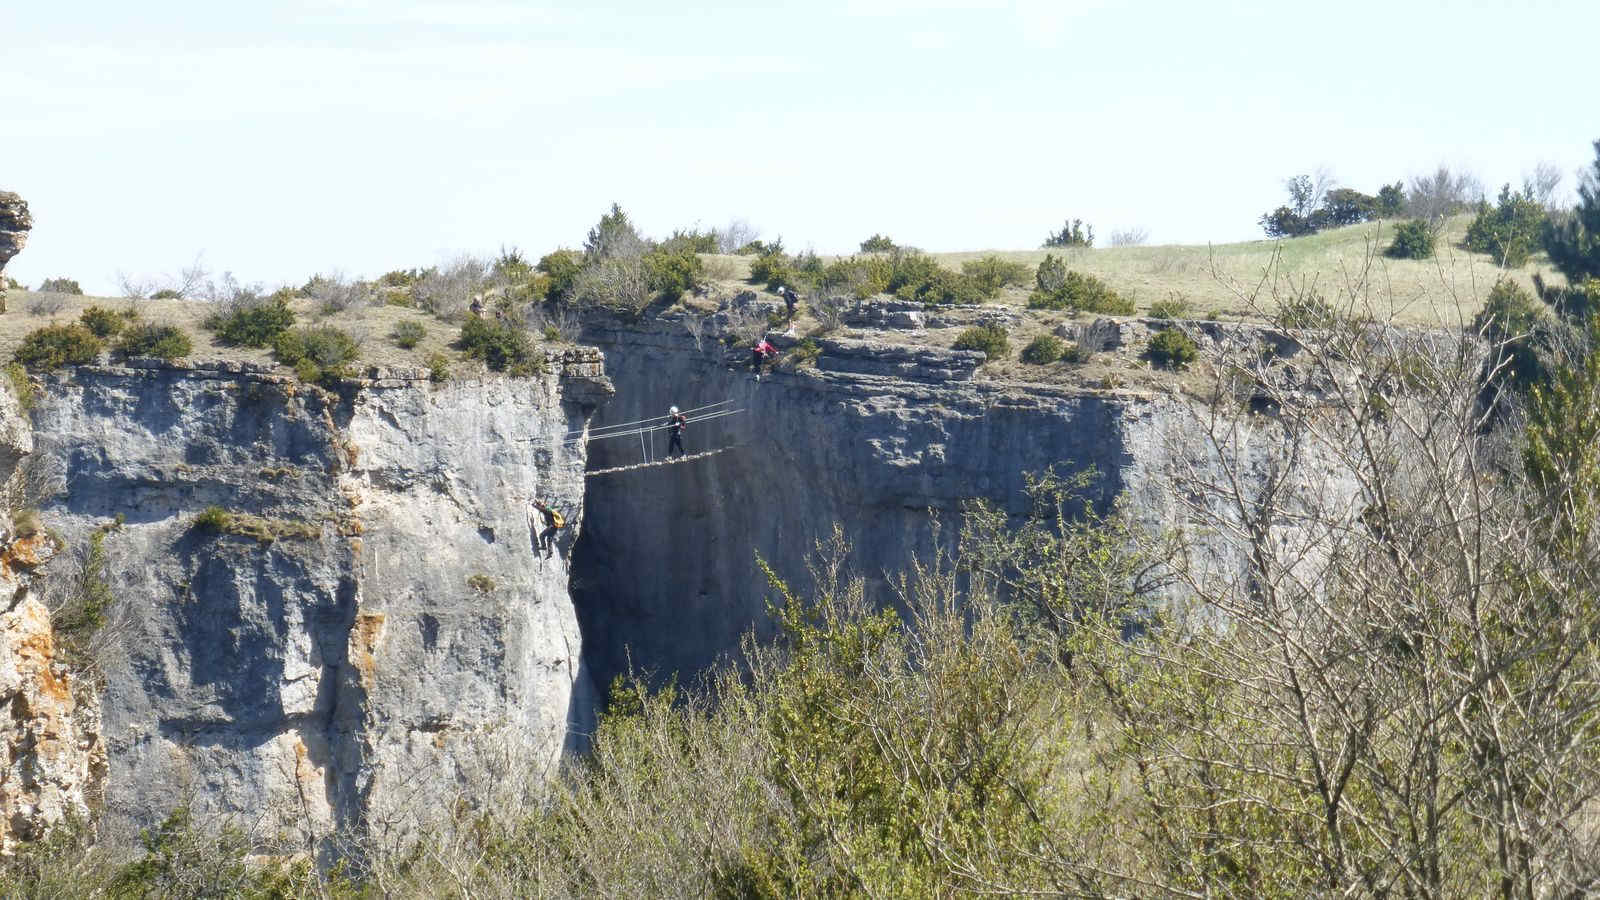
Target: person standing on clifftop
{"points": [[677, 422], [553, 522]]}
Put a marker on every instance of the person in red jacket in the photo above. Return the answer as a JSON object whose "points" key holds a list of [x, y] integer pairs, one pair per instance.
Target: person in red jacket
{"points": [[760, 353]]}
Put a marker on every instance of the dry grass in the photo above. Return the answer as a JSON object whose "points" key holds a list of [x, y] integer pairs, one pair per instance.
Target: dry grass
{"points": [[1445, 290], [370, 326]]}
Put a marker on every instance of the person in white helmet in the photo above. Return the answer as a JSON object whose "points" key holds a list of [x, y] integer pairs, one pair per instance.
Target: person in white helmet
{"points": [[676, 422]]}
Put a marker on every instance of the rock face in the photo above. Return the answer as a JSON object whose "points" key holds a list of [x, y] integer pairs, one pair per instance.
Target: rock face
{"points": [[873, 437], [51, 759], [361, 624], [15, 222]]}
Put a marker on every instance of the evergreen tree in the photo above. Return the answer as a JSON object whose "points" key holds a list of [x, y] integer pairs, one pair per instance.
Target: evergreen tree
{"points": [[1573, 241]]}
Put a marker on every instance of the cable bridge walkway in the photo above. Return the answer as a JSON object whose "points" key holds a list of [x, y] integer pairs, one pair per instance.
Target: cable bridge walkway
{"points": [[641, 428]]}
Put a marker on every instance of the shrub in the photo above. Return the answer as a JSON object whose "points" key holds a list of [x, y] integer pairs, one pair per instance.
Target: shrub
{"points": [[317, 354], [161, 341], [860, 276], [1073, 233], [166, 294], [59, 286], [771, 269], [691, 241], [438, 368], [1306, 310], [562, 266], [54, 346], [1081, 292], [481, 583], [991, 273], [672, 274], [1043, 350], [1173, 349], [255, 324], [46, 304], [1050, 274], [408, 333], [1174, 307], [878, 243], [501, 346], [1412, 240], [1573, 240], [103, 322], [942, 287], [212, 520], [990, 339], [22, 386], [1510, 230]]}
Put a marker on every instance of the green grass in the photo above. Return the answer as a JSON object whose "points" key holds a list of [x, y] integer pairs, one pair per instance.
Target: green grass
{"points": [[1445, 290]]}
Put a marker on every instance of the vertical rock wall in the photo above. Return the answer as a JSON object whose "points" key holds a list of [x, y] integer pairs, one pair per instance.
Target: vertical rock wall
{"points": [[874, 438], [371, 619]]}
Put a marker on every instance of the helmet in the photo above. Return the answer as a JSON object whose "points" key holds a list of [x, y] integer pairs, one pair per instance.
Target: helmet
{"points": [[674, 411]]}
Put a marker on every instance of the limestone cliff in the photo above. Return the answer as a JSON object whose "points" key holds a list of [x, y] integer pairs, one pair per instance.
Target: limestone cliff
{"points": [[15, 221], [51, 759], [329, 649], [874, 436]]}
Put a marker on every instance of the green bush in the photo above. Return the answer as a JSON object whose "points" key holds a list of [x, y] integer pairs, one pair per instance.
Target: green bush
{"points": [[1174, 307], [990, 339], [991, 273], [162, 341], [672, 274], [252, 325], [103, 322], [772, 269], [1412, 240], [54, 346], [408, 333], [1510, 230], [1513, 320], [1573, 240], [861, 276], [166, 294], [212, 520], [59, 286], [1173, 349], [942, 287], [438, 367], [1083, 293], [1307, 310], [878, 243], [1073, 233], [501, 346], [692, 240], [317, 354], [1043, 350], [22, 386], [562, 267]]}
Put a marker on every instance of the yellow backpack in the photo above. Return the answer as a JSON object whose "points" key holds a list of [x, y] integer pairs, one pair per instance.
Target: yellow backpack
{"points": [[557, 519]]}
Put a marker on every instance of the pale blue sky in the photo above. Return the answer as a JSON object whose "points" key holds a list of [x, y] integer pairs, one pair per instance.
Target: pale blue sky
{"points": [[281, 139]]}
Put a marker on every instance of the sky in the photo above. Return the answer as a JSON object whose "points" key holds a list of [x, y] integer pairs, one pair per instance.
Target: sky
{"points": [[278, 140]]}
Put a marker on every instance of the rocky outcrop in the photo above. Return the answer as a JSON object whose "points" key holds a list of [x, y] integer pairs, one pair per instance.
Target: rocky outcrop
{"points": [[52, 761], [359, 624], [15, 222]]}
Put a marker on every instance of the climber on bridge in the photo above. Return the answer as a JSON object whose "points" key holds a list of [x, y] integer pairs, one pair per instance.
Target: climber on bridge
{"points": [[677, 422], [554, 522]]}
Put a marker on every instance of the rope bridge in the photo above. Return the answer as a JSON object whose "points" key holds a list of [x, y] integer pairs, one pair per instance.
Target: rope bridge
{"points": [[642, 427], [669, 461]]}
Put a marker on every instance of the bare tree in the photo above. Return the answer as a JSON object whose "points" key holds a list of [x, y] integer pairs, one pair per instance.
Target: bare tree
{"points": [[1444, 193], [1544, 186], [1130, 237], [736, 234]]}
